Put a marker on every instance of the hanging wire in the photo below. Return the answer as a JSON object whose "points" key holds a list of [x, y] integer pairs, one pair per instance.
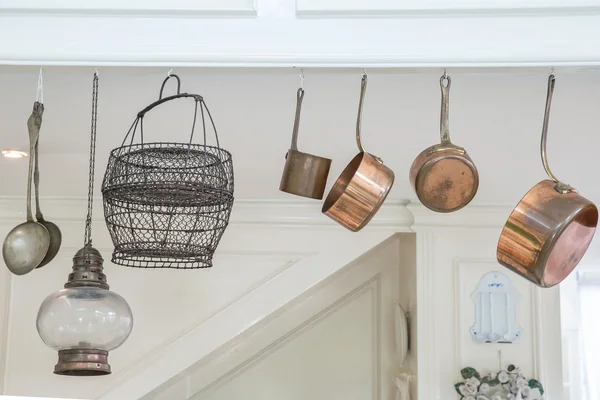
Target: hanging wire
{"points": [[90, 203], [39, 97]]}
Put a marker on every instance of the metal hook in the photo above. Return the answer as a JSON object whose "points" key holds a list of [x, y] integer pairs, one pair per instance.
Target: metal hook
{"points": [[40, 87], [364, 73], [170, 73], [302, 77], [96, 72], [445, 76]]}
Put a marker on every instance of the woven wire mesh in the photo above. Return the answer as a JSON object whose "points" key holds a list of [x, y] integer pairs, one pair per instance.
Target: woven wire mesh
{"points": [[166, 205]]}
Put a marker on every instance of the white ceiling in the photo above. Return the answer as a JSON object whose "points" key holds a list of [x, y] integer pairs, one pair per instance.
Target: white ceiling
{"points": [[496, 116]]}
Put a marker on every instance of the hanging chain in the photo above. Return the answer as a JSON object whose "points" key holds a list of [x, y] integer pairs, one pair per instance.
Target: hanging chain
{"points": [[88, 221]]}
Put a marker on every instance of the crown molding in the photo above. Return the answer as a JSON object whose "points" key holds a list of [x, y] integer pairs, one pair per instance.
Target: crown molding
{"points": [[399, 215]]}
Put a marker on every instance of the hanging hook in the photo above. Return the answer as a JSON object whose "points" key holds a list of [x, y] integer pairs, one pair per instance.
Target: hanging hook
{"points": [[39, 97], [364, 73], [170, 73], [302, 77], [96, 72], [445, 74]]}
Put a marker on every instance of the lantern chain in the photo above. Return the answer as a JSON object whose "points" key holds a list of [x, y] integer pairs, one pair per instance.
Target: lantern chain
{"points": [[88, 221]]}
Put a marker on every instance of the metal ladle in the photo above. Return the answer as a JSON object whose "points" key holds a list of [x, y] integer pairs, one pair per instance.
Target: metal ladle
{"points": [[27, 244], [53, 230]]}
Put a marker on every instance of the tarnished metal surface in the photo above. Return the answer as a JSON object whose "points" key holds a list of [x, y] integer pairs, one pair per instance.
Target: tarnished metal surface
{"points": [[82, 362], [304, 174], [444, 181], [359, 192], [443, 176], [547, 234]]}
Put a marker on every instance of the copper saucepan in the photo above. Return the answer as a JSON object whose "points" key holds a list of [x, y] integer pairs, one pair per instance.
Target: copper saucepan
{"points": [[362, 187], [444, 176], [550, 229], [304, 174]]}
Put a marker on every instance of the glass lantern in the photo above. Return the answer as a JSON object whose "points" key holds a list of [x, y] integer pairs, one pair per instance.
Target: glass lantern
{"points": [[85, 320]]}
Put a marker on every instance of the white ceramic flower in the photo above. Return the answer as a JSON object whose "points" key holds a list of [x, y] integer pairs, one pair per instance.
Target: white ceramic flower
{"points": [[482, 397], [484, 388], [474, 381], [503, 376], [496, 397], [534, 394], [521, 382], [470, 398], [526, 391], [469, 388]]}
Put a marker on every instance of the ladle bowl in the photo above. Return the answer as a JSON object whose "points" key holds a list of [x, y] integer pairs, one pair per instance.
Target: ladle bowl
{"points": [[25, 247]]}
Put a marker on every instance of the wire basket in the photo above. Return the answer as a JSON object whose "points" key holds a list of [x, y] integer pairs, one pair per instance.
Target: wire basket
{"points": [[167, 205]]}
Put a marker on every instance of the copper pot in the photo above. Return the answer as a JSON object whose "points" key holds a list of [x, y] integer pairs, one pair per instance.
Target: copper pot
{"points": [[443, 176], [304, 174], [362, 187], [551, 228]]}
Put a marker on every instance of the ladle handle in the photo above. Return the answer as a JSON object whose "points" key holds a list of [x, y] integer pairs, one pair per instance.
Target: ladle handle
{"points": [[445, 82], [34, 123], [299, 98], [36, 180], [559, 187]]}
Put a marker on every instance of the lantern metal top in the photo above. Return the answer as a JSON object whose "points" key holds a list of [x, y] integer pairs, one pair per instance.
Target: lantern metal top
{"points": [[87, 269]]}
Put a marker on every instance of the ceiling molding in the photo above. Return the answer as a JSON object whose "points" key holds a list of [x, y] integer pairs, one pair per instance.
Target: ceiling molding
{"points": [[398, 216]]}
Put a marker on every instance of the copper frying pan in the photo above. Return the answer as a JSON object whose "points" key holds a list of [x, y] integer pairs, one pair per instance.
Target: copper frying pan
{"points": [[550, 229], [362, 187], [444, 176]]}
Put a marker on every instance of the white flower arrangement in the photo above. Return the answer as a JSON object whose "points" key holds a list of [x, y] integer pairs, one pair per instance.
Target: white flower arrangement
{"points": [[509, 384]]}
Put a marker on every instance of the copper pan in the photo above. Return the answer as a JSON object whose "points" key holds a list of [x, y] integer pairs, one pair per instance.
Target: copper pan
{"points": [[444, 176], [304, 174], [362, 187], [550, 229]]}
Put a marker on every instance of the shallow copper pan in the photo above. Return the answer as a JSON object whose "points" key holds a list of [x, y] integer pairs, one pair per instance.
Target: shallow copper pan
{"points": [[551, 228], [443, 176], [304, 174], [362, 187]]}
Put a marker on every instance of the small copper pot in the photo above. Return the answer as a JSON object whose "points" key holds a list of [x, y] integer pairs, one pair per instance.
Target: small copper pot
{"points": [[362, 187], [550, 229], [443, 176], [304, 174]]}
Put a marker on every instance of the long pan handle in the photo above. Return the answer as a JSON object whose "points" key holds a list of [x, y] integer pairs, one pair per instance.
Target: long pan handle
{"points": [[560, 187]]}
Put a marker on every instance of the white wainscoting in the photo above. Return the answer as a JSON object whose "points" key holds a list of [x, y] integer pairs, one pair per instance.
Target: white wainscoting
{"points": [[336, 342]]}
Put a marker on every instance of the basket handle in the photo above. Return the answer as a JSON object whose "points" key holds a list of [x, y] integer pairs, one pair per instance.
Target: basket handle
{"points": [[161, 100]]}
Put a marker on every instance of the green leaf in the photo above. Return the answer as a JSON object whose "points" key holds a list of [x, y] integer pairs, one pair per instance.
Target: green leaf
{"points": [[493, 382], [534, 384], [457, 387], [469, 372]]}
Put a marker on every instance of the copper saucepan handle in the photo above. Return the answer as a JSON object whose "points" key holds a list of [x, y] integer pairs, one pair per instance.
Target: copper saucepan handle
{"points": [[363, 90], [560, 186], [299, 98], [445, 82]]}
